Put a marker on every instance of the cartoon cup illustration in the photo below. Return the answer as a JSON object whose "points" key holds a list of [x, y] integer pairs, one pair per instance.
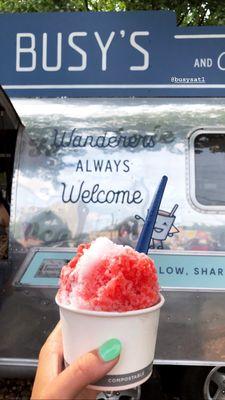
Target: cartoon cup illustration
{"points": [[164, 227]]}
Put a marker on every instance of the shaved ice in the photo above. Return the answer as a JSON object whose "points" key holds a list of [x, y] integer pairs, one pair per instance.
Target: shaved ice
{"points": [[104, 276]]}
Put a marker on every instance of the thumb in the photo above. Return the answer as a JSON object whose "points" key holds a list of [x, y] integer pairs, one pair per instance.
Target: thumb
{"points": [[87, 369]]}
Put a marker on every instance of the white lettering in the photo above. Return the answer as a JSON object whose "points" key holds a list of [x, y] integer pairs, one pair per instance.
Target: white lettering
{"points": [[58, 65], [196, 63], [219, 61], [83, 53], [143, 51], [29, 50], [203, 63], [105, 48]]}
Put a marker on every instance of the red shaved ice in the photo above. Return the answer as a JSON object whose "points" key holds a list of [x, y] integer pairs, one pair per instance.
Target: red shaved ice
{"points": [[104, 276]]}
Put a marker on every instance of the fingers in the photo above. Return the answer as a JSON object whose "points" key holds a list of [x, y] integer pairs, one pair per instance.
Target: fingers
{"points": [[50, 361], [86, 370], [51, 383], [54, 341], [53, 352]]}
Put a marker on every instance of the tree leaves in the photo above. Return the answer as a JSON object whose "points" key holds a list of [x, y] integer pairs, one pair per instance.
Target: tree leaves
{"points": [[188, 12]]}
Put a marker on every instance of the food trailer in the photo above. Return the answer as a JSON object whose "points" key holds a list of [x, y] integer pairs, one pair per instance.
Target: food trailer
{"points": [[94, 109]]}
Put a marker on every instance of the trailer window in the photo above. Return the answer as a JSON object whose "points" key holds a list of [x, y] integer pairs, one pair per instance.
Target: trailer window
{"points": [[207, 167]]}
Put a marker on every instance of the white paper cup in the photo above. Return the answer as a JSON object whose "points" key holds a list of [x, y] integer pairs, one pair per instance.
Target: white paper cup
{"points": [[85, 330]]}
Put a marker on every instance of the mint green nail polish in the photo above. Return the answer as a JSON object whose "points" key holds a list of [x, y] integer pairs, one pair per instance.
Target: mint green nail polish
{"points": [[110, 349]]}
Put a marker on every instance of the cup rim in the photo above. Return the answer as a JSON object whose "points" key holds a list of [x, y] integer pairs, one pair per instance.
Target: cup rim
{"points": [[112, 313]]}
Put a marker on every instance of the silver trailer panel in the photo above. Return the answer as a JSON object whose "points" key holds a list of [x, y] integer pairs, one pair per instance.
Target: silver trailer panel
{"points": [[89, 167]]}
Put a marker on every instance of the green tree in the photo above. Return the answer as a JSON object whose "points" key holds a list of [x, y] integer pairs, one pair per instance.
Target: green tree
{"points": [[189, 12], [41, 5]]}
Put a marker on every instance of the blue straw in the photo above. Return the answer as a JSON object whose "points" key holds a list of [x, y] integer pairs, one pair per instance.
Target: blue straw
{"points": [[147, 230]]}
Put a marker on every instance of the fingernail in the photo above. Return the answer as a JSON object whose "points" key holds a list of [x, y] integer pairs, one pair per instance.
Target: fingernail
{"points": [[110, 349]]}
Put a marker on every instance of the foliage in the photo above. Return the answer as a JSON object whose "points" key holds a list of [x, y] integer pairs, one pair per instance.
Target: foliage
{"points": [[41, 5], [189, 12]]}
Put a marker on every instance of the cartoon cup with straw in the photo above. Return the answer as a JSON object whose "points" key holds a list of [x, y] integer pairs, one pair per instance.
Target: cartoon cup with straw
{"points": [[164, 227], [125, 307]]}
